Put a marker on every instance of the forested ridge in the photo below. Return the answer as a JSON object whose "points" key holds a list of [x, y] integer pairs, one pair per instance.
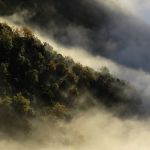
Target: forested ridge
{"points": [[36, 81]]}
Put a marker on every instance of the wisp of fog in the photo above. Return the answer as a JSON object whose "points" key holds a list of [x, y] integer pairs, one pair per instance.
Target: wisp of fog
{"points": [[96, 128]]}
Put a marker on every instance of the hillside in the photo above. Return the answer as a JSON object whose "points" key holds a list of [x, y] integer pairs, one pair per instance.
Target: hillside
{"points": [[35, 81]]}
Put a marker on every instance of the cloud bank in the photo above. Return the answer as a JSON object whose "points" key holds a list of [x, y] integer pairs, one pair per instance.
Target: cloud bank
{"points": [[122, 46], [114, 29], [89, 130]]}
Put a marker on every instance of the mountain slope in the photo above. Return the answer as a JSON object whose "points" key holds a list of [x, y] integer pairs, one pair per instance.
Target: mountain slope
{"points": [[36, 81]]}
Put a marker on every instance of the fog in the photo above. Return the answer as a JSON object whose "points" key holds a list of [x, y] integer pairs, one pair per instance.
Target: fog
{"points": [[114, 29], [96, 128]]}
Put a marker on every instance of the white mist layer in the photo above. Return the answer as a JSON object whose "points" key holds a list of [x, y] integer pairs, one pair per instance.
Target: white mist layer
{"points": [[138, 8], [127, 6], [93, 130]]}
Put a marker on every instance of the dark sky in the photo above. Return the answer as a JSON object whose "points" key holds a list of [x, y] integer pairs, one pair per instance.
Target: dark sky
{"points": [[90, 25]]}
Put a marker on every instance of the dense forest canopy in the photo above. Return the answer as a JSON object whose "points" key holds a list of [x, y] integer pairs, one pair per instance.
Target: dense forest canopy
{"points": [[36, 81]]}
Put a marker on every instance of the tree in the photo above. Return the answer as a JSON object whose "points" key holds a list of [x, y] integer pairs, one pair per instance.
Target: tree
{"points": [[21, 104], [27, 32], [104, 70], [58, 110], [6, 43], [61, 69], [77, 68], [33, 76], [3, 69]]}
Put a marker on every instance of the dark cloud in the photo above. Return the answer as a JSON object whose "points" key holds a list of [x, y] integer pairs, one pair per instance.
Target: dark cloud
{"points": [[62, 19], [88, 24], [62, 12]]}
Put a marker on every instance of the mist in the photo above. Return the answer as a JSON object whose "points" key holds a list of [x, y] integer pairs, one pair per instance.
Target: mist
{"points": [[94, 129], [121, 44], [114, 29], [138, 76]]}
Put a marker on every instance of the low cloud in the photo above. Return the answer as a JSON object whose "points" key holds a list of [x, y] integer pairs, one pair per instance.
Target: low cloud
{"points": [[94, 129], [114, 29], [97, 129]]}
